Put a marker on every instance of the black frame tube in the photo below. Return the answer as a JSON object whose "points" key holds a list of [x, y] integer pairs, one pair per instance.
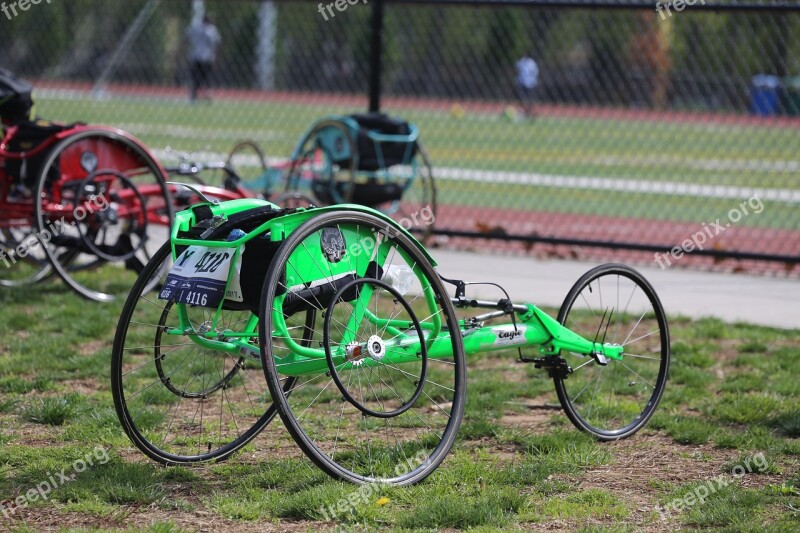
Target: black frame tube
{"points": [[376, 55], [776, 5], [638, 247]]}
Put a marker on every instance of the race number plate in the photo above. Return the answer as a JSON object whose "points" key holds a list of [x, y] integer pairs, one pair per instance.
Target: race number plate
{"points": [[200, 275]]}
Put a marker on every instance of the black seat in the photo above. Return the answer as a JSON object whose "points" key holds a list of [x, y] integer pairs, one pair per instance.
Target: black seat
{"points": [[375, 155], [27, 136], [15, 98]]}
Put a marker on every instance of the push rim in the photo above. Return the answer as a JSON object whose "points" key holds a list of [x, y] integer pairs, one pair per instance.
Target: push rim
{"points": [[144, 174], [371, 345]]}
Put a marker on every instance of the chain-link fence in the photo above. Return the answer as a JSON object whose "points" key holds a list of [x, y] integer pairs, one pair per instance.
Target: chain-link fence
{"points": [[577, 132]]}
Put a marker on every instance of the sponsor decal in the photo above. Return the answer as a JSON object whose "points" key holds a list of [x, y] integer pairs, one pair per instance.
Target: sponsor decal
{"points": [[332, 244], [507, 335]]}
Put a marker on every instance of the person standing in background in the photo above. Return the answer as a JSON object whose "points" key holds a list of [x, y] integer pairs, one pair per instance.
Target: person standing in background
{"points": [[204, 40], [527, 80]]}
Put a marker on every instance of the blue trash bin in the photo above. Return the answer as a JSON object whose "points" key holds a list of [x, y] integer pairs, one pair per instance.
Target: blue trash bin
{"points": [[764, 95]]}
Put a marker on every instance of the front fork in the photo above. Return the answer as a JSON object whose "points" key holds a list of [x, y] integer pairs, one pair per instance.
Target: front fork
{"points": [[562, 338], [531, 327]]}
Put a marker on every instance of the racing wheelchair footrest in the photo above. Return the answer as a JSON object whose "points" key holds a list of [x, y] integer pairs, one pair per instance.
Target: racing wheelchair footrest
{"points": [[556, 366]]}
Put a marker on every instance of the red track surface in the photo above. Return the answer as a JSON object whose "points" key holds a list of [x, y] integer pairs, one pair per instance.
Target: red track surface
{"points": [[617, 229], [569, 226], [395, 103]]}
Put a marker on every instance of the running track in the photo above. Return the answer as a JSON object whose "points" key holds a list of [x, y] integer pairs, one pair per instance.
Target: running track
{"points": [[493, 221]]}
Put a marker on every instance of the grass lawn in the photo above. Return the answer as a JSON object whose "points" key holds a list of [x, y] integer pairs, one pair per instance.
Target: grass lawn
{"points": [[733, 395], [694, 153]]}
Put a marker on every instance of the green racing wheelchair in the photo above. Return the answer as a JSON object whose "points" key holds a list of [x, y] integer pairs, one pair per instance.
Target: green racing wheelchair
{"points": [[337, 320]]}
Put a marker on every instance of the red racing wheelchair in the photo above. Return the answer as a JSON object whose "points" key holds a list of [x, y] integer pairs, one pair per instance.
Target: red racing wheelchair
{"points": [[74, 197]]}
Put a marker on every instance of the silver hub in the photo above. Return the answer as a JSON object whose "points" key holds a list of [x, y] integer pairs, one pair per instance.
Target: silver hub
{"points": [[376, 347], [205, 327], [354, 353]]}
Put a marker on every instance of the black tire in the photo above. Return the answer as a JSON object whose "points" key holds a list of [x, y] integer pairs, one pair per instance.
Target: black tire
{"points": [[332, 181], [69, 192], [428, 428], [19, 271], [622, 395], [416, 210], [291, 200], [148, 386], [239, 150]]}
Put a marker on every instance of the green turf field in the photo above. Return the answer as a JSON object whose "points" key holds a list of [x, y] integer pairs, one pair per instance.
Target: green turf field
{"points": [[732, 400], [637, 151]]}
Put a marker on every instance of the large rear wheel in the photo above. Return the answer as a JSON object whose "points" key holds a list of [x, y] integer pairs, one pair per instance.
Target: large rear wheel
{"points": [[324, 163], [103, 199], [416, 210], [179, 401], [382, 400]]}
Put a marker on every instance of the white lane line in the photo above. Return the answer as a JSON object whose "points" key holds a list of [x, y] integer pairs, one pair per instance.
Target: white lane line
{"points": [[616, 184], [554, 180], [191, 132], [205, 156], [779, 166]]}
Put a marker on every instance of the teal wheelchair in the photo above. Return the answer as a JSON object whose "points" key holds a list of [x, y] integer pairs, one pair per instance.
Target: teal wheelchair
{"points": [[369, 159]]}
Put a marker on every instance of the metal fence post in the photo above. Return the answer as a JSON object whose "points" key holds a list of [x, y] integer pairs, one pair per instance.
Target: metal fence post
{"points": [[375, 57]]}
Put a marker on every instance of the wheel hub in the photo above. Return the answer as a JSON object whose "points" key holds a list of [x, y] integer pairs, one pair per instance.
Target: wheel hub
{"points": [[354, 353], [376, 347], [205, 327], [109, 216]]}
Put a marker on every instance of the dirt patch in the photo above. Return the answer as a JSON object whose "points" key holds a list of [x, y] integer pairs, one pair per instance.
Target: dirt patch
{"points": [[91, 347], [640, 464], [56, 519], [83, 387], [30, 434], [536, 416]]}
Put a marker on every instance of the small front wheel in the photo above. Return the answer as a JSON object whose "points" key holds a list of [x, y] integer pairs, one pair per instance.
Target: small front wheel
{"points": [[614, 400]]}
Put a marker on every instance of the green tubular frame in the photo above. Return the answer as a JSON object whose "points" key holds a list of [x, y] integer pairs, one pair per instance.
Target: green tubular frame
{"points": [[534, 326]]}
